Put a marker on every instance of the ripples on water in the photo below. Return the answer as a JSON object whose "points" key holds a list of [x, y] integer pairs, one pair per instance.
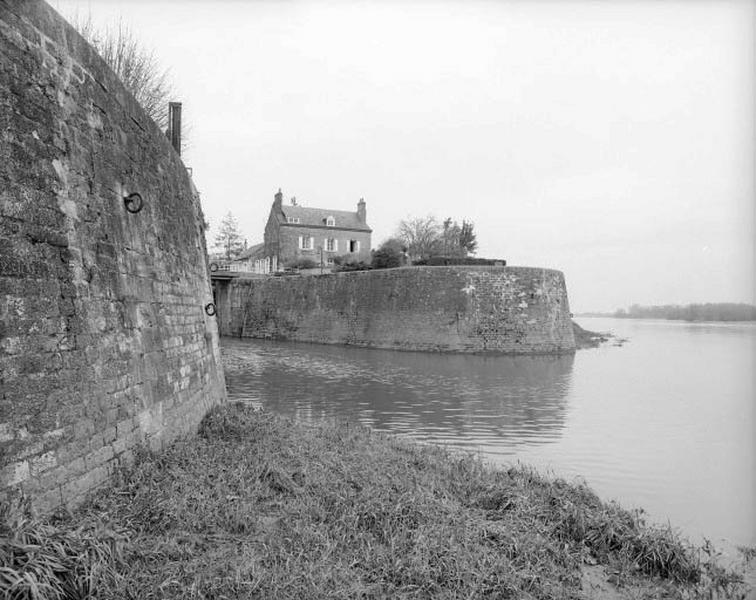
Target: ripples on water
{"points": [[461, 401], [665, 422]]}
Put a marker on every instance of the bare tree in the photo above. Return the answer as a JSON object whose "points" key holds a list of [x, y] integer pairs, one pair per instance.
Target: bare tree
{"points": [[424, 237], [420, 235], [135, 65]]}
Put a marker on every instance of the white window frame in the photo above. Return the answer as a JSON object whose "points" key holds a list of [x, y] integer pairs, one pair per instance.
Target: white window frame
{"points": [[331, 245], [292, 220], [330, 221], [306, 242], [356, 246]]}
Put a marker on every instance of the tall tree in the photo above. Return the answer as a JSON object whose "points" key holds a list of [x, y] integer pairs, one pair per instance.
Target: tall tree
{"points": [[135, 65], [457, 240], [229, 240], [468, 241], [449, 239], [420, 235]]}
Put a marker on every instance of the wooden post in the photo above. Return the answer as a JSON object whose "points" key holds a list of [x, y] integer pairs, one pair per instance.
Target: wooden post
{"points": [[174, 125]]}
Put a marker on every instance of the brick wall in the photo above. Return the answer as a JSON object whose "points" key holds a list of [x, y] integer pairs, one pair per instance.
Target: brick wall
{"points": [[516, 310], [104, 340]]}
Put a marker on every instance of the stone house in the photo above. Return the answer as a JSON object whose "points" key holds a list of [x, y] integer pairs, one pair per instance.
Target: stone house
{"points": [[294, 233]]}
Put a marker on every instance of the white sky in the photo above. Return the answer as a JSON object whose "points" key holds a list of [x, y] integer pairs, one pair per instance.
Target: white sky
{"points": [[611, 140]]}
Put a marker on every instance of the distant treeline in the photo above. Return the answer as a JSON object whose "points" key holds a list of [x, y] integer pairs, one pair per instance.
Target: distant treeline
{"points": [[718, 311]]}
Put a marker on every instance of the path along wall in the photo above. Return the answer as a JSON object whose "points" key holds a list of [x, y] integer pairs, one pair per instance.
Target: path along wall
{"points": [[104, 340], [514, 310]]}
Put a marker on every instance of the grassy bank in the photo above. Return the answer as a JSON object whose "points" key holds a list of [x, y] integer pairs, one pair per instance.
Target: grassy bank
{"points": [[258, 506]]}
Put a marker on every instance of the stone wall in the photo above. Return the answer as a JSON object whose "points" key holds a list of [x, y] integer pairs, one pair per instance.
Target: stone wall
{"points": [[290, 250], [104, 339], [513, 310]]}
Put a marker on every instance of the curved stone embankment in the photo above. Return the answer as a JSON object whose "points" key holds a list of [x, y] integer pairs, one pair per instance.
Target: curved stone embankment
{"points": [[104, 340], [513, 310]]}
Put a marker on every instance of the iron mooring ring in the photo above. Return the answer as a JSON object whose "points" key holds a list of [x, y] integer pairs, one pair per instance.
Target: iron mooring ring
{"points": [[210, 309], [133, 202]]}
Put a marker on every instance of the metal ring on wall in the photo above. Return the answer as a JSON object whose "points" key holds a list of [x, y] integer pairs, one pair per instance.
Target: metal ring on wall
{"points": [[213, 267], [133, 202], [210, 309]]}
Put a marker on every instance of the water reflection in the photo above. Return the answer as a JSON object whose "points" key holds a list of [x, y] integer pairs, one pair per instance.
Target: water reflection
{"points": [[463, 401]]}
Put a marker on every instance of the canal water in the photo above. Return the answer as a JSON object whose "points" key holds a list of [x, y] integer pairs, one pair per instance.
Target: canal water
{"points": [[664, 421]]}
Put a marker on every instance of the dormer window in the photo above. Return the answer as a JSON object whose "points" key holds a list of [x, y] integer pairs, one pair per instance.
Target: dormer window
{"points": [[292, 219], [330, 221]]}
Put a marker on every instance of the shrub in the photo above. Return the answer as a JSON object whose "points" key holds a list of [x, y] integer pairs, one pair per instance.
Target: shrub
{"points": [[436, 261], [352, 266], [301, 263], [386, 258]]}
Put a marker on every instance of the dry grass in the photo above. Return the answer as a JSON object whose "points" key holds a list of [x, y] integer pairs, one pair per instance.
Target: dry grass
{"points": [[258, 506]]}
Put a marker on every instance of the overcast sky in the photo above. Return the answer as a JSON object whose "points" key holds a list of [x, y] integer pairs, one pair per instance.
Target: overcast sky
{"points": [[611, 140]]}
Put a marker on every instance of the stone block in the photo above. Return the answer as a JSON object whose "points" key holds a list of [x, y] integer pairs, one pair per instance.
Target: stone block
{"points": [[42, 463], [14, 473]]}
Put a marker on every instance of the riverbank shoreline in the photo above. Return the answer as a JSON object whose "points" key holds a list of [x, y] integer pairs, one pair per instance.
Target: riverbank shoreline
{"points": [[258, 505], [591, 339]]}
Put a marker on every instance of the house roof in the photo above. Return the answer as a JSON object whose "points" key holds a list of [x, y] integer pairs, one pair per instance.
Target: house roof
{"points": [[316, 217], [251, 252]]}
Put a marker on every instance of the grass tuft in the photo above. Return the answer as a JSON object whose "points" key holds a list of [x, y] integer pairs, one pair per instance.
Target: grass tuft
{"points": [[41, 561]]}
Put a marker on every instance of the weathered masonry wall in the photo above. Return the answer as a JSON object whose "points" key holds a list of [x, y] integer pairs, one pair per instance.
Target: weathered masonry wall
{"points": [[104, 340], [517, 310]]}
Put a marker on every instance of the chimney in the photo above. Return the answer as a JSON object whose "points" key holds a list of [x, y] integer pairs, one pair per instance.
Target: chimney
{"points": [[174, 125], [278, 199], [361, 213], [293, 200]]}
